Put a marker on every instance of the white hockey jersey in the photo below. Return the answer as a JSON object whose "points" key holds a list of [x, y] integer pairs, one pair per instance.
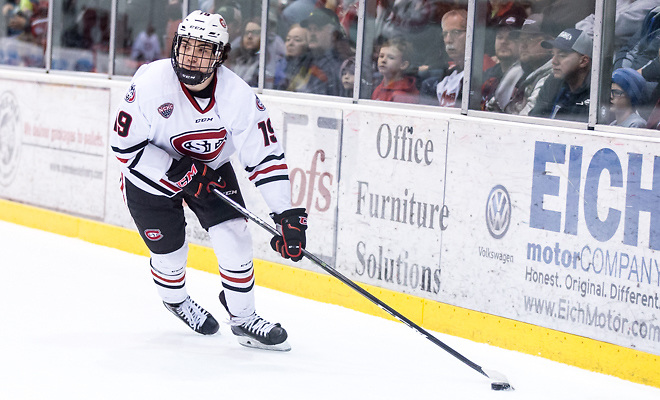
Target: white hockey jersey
{"points": [[449, 88], [159, 120]]}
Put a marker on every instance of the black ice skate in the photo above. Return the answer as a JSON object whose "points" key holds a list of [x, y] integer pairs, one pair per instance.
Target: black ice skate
{"points": [[254, 331], [197, 318]]}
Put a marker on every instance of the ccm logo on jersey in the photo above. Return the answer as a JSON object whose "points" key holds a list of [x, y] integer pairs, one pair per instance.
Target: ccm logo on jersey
{"points": [[203, 145], [153, 234]]}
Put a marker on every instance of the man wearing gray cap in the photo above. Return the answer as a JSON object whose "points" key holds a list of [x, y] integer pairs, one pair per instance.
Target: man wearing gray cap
{"points": [[565, 94]]}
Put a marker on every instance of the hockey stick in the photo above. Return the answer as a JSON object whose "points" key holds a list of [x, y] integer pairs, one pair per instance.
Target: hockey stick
{"points": [[500, 382]]}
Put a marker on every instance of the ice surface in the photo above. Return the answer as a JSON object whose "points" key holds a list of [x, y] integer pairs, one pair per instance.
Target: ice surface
{"points": [[81, 321]]}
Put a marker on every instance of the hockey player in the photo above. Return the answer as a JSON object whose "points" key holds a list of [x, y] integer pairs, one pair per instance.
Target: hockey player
{"points": [[175, 129]]}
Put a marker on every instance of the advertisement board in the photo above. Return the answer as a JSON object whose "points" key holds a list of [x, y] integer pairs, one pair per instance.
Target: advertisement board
{"points": [[391, 202], [555, 228], [53, 140]]}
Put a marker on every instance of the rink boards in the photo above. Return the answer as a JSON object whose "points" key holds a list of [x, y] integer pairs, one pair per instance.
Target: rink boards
{"points": [[535, 238]]}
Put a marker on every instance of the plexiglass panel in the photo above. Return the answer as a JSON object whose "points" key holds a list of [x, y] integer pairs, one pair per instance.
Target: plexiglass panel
{"points": [[410, 47], [23, 33], [145, 29], [632, 81], [319, 47], [81, 35], [533, 58]]}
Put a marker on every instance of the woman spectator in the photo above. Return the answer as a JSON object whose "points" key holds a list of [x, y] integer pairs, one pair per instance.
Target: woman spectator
{"points": [[291, 70], [244, 61]]}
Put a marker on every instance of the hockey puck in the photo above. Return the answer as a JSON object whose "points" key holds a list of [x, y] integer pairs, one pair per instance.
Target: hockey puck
{"points": [[500, 386]]}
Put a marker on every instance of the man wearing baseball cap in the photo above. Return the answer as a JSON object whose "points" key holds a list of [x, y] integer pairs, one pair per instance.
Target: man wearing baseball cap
{"points": [[536, 64], [565, 94], [325, 37]]}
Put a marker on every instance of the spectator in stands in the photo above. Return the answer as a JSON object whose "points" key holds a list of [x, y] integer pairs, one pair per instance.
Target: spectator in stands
{"points": [[244, 60], [628, 88], [536, 64], [507, 54], [498, 12], [324, 33], [643, 47], [419, 22], [565, 95], [446, 90], [292, 71], [146, 47], [347, 73], [393, 62]]}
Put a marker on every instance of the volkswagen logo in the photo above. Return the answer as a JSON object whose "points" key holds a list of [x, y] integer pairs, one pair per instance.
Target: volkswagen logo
{"points": [[498, 212]]}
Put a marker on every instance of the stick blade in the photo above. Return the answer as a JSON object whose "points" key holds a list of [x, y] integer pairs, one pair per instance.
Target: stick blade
{"points": [[499, 381]]}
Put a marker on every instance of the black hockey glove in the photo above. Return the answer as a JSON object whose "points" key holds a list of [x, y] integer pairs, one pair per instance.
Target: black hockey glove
{"points": [[193, 177], [292, 225]]}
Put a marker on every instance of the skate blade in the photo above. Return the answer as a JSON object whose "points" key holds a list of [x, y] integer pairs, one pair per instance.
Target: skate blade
{"points": [[255, 344]]}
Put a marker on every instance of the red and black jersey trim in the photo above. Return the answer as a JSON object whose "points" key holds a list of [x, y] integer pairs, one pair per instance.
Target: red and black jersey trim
{"points": [[171, 282], [129, 150], [238, 289], [265, 160], [162, 186], [234, 280], [270, 169], [192, 100]]}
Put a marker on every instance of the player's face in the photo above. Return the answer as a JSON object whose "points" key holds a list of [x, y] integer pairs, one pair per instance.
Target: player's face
{"points": [[196, 55], [296, 42]]}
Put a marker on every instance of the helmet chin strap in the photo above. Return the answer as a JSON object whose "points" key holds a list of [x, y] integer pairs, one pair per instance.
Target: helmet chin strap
{"points": [[192, 78]]}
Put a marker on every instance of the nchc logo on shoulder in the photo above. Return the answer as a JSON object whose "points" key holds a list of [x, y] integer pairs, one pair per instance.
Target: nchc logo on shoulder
{"points": [[498, 212]]}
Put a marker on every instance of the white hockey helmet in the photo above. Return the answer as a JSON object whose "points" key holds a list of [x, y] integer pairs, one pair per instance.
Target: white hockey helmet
{"points": [[205, 27]]}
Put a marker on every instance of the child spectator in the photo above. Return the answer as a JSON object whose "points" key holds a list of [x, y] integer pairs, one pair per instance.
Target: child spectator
{"points": [[347, 72], [393, 61], [627, 92]]}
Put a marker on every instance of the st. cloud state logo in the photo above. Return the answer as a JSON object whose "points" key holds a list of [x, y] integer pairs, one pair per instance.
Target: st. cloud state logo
{"points": [[204, 145]]}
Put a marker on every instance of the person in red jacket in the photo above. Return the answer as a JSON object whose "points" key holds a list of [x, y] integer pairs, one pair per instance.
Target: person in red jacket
{"points": [[393, 61]]}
